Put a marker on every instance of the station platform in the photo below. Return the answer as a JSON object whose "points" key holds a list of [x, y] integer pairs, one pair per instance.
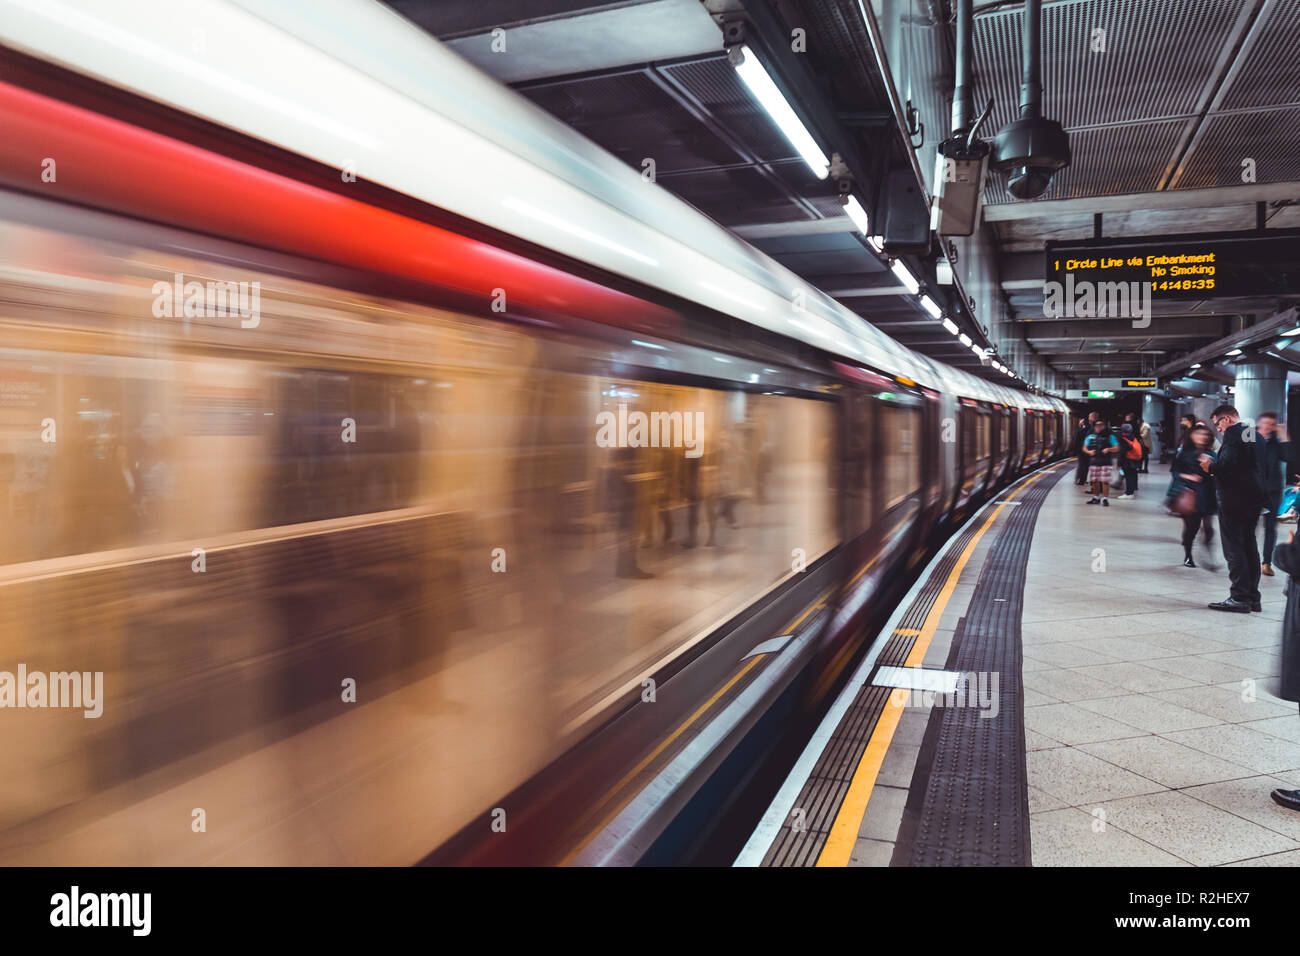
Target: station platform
{"points": [[1054, 692]]}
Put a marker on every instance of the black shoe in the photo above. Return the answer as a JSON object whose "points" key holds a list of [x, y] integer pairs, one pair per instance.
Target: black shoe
{"points": [[1105, 502], [1287, 798], [1257, 606], [1095, 501], [1188, 562], [1237, 607]]}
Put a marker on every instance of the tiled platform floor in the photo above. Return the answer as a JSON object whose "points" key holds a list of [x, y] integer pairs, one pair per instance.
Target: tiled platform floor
{"points": [[1152, 736]]}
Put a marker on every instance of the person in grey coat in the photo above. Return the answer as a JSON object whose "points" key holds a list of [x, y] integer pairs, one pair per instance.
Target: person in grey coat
{"points": [[1286, 558]]}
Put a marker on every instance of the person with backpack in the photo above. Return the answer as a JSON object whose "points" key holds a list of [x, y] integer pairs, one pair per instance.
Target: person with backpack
{"points": [[1130, 457], [1100, 447]]}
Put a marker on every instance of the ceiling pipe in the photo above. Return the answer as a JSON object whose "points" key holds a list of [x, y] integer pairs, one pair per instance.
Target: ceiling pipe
{"points": [[1031, 148]]}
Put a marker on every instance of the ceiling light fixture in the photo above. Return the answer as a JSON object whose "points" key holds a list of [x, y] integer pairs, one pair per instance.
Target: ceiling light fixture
{"points": [[858, 215], [769, 96], [904, 275]]}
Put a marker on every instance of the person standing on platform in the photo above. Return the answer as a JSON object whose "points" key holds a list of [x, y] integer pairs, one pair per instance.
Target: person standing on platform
{"points": [[1192, 466], [1241, 495], [1144, 436], [1185, 426], [1273, 450], [1100, 447], [1130, 456], [1081, 436], [1287, 558]]}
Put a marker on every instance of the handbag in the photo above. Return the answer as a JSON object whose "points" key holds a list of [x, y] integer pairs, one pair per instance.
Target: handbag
{"points": [[1183, 502]]}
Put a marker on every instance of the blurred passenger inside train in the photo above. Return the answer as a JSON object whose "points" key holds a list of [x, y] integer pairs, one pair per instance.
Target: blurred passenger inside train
{"points": [[1101, 448]]}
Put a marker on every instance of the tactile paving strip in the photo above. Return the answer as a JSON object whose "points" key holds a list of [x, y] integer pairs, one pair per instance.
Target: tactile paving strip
{"points": [[800, 841], [969, 802]]}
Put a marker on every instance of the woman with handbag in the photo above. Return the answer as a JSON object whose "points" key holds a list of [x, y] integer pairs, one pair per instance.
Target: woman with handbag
{"points": [[1191, 495]]}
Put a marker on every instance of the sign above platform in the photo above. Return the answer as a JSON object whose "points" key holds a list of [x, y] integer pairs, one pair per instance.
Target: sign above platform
{"points": [[1185, 267]]}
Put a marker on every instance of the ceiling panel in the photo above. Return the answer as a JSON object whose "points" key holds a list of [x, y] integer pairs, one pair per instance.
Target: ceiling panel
{"points": [[1130, 81], [1270, 74], [1107, 161], [1269, 137]]}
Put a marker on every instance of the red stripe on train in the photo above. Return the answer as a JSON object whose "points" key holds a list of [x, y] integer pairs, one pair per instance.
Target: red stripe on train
{"points": [[113, 165]]}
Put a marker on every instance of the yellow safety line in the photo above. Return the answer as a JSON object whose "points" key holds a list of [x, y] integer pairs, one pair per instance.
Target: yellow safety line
{"points": [[663, 745], [646, 760], [848, 821]]}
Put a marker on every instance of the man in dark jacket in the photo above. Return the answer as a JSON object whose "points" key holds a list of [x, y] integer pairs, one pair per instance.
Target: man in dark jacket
{"points": [[1272, 452], [1241, 496], [1080, 436], [1287, 557]]}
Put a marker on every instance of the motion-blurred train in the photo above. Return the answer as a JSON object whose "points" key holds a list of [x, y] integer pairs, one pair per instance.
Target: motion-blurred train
{"points": [[306, 343]]}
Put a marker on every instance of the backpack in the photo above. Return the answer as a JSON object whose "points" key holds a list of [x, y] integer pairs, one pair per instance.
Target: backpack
{"points": [[1134, 446]]}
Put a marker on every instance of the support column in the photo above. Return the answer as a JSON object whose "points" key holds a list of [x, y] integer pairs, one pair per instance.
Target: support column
{"points": [[1153, 412], [1260, 387]]}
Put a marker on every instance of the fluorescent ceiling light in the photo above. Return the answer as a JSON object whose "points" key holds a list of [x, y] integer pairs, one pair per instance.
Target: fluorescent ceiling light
{"points": [[858, 215], [1196, 365], [769, 97], [978, 350], [951, 326], [1235, 352], [1295, 331], [904, 275], [931, 306], [964, 339], [876, 242]]}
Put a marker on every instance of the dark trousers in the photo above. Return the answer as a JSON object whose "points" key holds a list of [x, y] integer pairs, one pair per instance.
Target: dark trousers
{"points": [[1241, 550], [1146, 455], [1270, 526], [1081, 472], [1130, 477], [1193, 523]]}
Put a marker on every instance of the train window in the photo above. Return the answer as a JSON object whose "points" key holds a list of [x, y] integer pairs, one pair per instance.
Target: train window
{"points": [[899, 438], [967, 415], [984, 432], [341, 443]]}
